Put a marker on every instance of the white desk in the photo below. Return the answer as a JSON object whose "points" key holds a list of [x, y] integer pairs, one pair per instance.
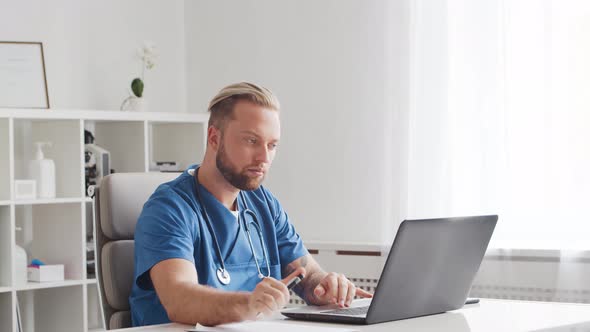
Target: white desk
{"points": [[488, 315]]}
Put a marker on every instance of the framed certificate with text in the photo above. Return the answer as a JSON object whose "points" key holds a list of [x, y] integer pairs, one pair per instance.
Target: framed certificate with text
{"points": [[23, 83]]}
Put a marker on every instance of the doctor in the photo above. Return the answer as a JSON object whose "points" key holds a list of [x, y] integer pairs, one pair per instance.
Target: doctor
{"points": [[213, 246]]}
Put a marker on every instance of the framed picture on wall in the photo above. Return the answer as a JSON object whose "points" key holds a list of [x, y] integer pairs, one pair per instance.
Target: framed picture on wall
{"points": [[23, 83]]}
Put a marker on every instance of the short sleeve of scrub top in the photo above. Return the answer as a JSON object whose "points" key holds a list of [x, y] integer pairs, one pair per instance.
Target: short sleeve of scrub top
{"points": [[172, 225], [289, 243], [166, 234]]}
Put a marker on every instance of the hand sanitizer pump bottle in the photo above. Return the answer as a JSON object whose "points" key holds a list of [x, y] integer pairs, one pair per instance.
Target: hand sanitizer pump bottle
{"points": [[43, 172]]}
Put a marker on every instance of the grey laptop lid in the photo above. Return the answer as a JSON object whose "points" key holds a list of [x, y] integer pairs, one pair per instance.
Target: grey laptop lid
{"points": [[430, 268]]}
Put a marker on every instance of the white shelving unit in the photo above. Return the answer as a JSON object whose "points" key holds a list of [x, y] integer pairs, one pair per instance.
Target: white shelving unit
{"points": [[54, 230]]}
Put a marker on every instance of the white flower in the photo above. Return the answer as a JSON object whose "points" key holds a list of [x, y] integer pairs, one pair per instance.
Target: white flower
{"points": [[148, 54]]}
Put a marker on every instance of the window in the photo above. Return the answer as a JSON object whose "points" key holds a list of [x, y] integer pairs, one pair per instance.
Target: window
{"points": [[500, 118]]}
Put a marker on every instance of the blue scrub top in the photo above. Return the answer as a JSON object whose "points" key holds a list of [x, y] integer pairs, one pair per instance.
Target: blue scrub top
{"points": [[172, 225]]}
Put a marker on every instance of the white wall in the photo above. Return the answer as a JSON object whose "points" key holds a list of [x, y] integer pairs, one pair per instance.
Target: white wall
{"points": [[340, 70], [90, 48]]}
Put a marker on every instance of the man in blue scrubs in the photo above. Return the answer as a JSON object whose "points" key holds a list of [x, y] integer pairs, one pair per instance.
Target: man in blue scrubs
{"points": [[213, 246]]}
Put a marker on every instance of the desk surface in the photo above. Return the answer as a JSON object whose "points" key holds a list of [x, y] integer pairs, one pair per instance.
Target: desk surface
{"points": [[488, 315]]}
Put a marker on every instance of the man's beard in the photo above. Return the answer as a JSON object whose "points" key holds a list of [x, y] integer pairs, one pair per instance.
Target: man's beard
{"points": [[231, 175]]}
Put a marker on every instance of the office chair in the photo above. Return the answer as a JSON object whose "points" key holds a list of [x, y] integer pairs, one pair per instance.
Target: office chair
{"points": [[117, 205]]}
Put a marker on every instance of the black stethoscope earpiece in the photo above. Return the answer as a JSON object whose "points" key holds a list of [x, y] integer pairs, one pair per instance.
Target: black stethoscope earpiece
{"points": [[222, 274]]}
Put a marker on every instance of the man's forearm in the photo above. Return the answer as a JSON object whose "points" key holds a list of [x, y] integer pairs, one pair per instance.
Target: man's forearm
{"points": [[194, 303]]}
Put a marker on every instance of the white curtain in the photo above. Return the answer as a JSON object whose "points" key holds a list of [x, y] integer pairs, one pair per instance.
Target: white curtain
{"points": [[500, 117]]}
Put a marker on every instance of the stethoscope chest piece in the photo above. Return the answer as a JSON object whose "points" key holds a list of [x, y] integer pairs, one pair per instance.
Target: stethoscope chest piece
{"points": [[223, 276]]}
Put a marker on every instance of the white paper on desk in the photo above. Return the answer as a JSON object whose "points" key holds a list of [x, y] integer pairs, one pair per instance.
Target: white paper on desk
{"points": [[261, 326]]}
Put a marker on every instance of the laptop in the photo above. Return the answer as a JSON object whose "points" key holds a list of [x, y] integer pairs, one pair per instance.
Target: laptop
{"points": [[429, 270]]}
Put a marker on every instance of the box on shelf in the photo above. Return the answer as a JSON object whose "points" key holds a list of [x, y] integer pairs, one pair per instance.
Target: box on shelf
{"points": [[164, 166], [43, 273], [25, 189]]}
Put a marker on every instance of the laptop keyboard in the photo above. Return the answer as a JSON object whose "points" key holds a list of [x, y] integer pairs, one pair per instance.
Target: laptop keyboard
{"points": [[349, 311]]}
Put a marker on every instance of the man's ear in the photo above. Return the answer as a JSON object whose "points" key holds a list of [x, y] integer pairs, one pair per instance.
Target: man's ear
{"points": [[213, 137]]}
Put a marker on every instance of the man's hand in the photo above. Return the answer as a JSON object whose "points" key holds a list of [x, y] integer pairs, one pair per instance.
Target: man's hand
{"points": [[336, 288], [270, 295]]}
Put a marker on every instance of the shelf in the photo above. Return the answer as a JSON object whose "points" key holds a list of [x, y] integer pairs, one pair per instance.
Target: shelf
{"points": [[94, 318], [4, 159], [5, 247], [170, 142], [46, 285], [56, 308], [54, 234], [125, 142], [57, 230], [103, 115], [6, 307], [50, 201], [65, 151]]}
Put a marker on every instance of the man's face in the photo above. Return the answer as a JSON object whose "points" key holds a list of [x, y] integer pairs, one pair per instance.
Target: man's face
{"points": [[248, 144]]}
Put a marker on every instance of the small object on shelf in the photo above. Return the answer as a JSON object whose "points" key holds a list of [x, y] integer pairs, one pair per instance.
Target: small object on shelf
{"points": [[25, 189], [90, 190], [20, 261], [132, 103], [36, 262], [44, 273], [164, 166], [43, 172], [97, 163]]}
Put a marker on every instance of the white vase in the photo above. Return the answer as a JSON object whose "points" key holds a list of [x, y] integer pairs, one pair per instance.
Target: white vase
{"points": [[133, 103]]}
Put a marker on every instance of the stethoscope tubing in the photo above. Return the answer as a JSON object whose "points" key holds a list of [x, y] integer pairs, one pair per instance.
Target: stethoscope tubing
{"points": [[259, 231], [222, 273]]}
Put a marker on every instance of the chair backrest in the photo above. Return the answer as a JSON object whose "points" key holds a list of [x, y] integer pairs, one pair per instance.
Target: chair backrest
{"points": [[117, 205]]}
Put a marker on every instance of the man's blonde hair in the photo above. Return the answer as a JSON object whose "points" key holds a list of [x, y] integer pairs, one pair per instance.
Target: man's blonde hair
{"points": [[221, 106]]}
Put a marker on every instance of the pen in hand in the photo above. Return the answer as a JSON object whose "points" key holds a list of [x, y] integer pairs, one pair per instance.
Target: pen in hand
{"points": [[294, 281]]}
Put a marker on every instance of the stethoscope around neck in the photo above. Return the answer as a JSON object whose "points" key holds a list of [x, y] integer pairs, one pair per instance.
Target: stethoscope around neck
{"points": [[222, 273]]}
